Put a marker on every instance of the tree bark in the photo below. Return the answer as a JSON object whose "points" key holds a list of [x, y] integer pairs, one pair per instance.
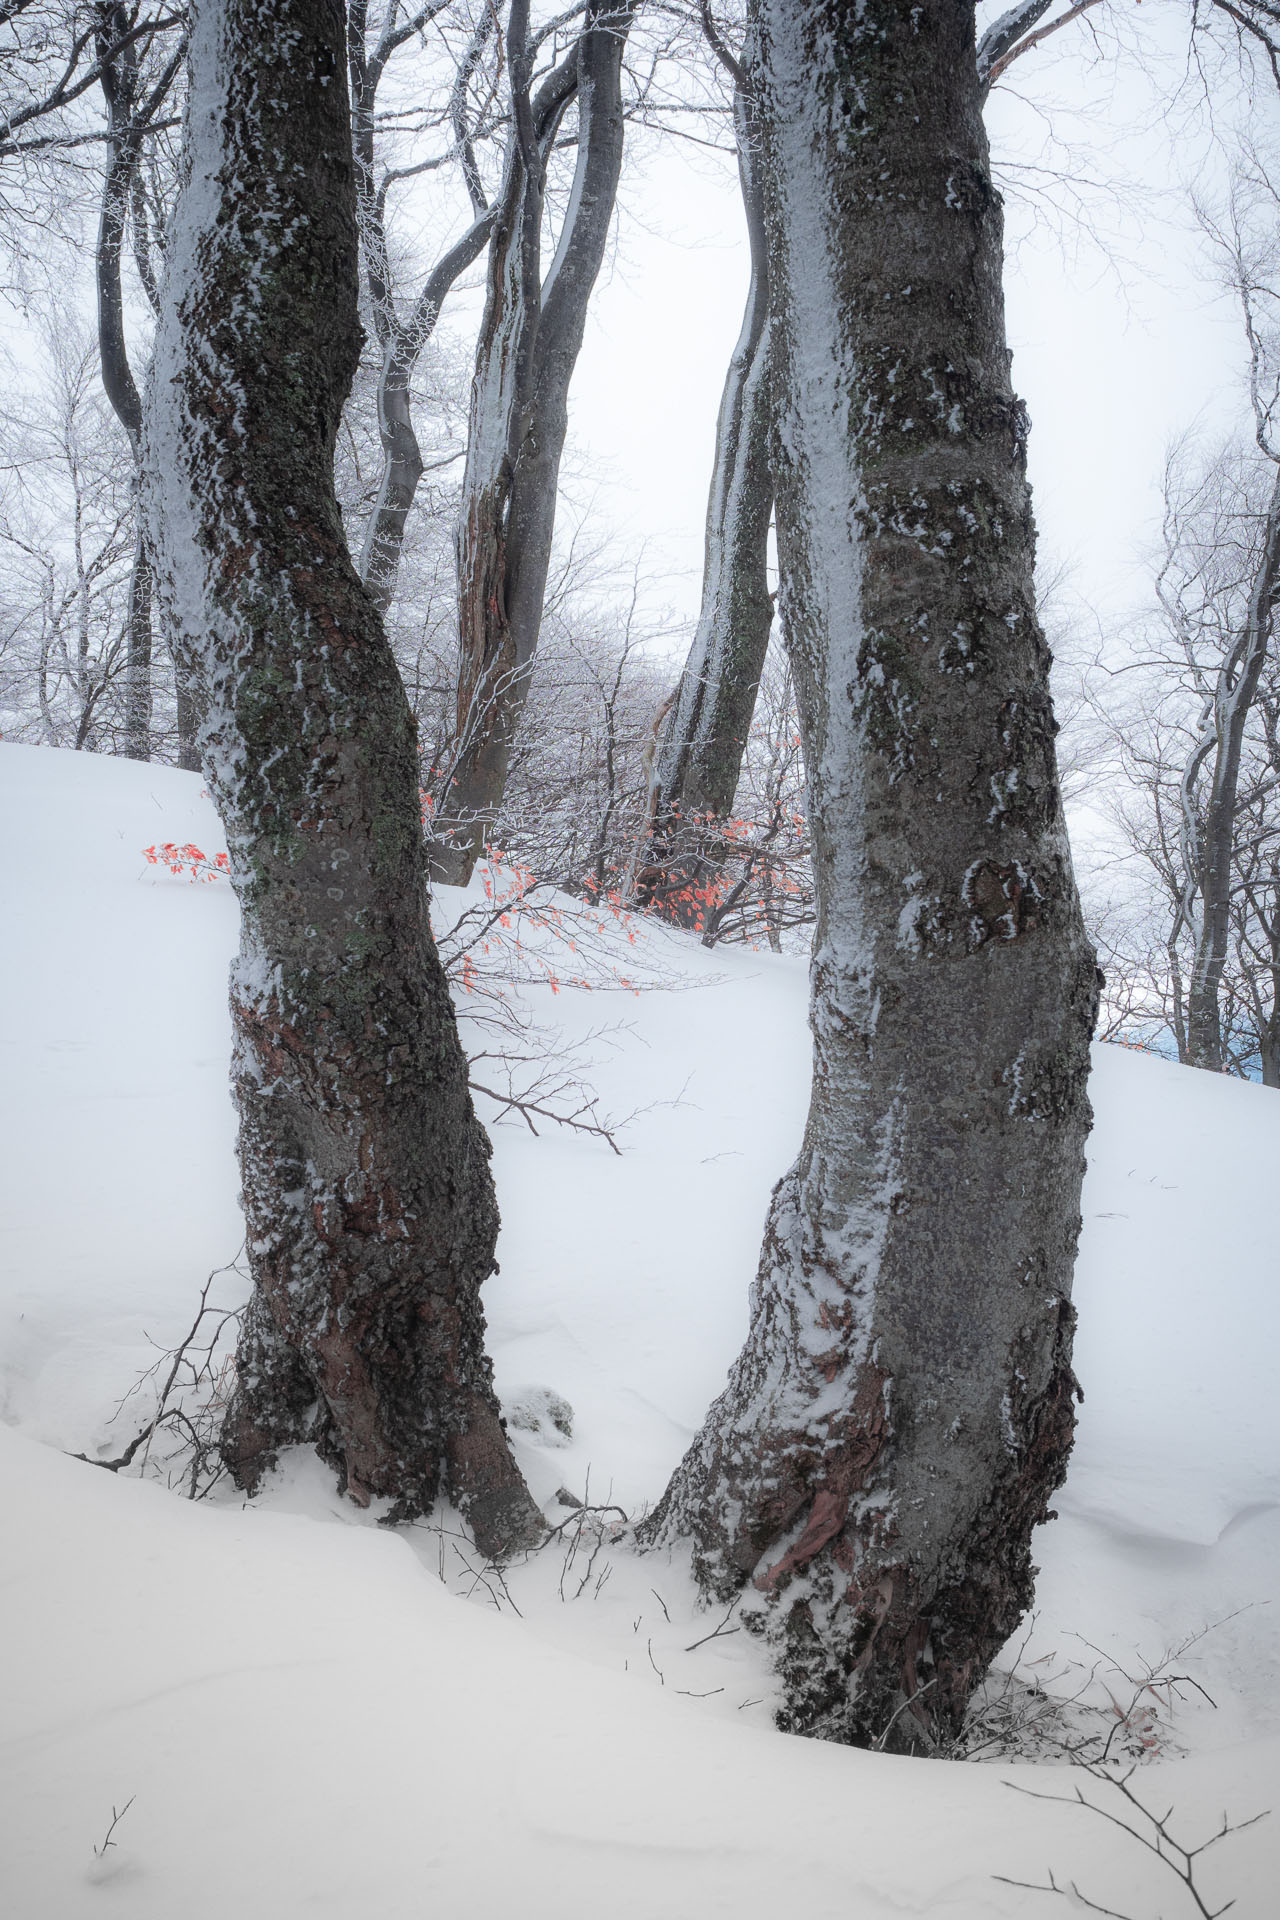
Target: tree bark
{"points": [[903, 1408], [369, 1206], [129, 116], [700, 760], [530, 339]]}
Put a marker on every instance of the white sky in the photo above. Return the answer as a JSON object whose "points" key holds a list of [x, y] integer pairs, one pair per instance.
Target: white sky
{"points": [[1120, 341]]}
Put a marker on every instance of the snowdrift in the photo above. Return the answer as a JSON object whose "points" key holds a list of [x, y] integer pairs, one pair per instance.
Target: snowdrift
{"points": [[309, 1715]]}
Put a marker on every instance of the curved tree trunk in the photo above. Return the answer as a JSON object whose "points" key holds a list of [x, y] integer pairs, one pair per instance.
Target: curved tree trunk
{"points": [[902, 1410], [370, 1209], [401, 454], [700, 759], [529, 344]]}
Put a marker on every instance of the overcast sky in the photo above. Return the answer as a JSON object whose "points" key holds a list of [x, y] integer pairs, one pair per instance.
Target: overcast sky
{"points": [[1120, 338]]}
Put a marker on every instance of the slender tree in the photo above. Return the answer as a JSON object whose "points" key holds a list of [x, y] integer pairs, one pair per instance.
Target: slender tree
{"points": [[698, 765], [530, 339], [403, 331], [370, 1209], [903, 1408], [133, 105]]}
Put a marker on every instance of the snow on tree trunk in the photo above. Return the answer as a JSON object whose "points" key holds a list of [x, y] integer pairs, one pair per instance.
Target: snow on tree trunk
{"points": [[530, 339], [370, 1210], [700, 759], [903, 1407]]}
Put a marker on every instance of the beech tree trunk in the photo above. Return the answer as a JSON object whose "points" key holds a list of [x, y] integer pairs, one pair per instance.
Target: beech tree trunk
{"points": [[530, 339], [369, 1206], [903, 1408], [700, 759]]}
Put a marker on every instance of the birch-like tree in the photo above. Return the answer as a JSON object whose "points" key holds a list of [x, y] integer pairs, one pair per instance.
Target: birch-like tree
{"points": [[902, 1411], [369, 1205]]}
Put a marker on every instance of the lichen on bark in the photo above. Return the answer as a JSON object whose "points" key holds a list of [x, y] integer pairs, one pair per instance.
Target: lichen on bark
{"points": [[901, 1413], [369, 1207]]}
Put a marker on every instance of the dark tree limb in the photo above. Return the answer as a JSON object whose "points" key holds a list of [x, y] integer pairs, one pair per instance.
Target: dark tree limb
{"points": [[369, 1205]]}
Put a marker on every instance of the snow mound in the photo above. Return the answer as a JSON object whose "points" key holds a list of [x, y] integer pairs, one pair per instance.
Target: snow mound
{"points": [[310, 1715]]}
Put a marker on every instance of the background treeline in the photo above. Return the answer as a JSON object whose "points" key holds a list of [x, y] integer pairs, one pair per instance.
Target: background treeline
{"points": [[555, 723]]}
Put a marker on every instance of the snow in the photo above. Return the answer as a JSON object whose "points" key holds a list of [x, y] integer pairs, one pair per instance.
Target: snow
{"points": [[311, 1721]]}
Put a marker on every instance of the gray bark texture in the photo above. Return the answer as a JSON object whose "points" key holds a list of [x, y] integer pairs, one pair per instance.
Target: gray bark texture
{"points": [[903, 1408], [700, 759], [369, 1206], [530, 338]]}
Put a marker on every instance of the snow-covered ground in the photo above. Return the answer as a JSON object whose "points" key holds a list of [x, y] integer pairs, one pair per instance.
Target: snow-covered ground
{"points": [[307, 1719]]}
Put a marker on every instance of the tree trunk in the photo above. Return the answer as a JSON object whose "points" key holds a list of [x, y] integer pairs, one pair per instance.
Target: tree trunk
{"points": [[129, 118], [401, 340], [529, 345], [401, 454], [137, 683], [706, 736], [124, 136], [902, 1410], [369, 1205]]}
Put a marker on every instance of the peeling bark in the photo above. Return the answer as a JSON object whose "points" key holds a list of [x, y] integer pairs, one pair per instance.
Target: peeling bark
{"points": [[369, 1206], [902, 1410], [529, 343]]}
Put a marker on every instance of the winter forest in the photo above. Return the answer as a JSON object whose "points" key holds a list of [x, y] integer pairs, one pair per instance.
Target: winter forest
{"points": [[640, 859]]}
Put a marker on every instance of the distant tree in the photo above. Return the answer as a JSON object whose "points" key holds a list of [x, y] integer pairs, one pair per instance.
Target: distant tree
{"points": [[1192, 712], [67, 526], [402, 326], [706, 732], [1191, 708], [902, 1410], [134, 99], [370, 1209]]}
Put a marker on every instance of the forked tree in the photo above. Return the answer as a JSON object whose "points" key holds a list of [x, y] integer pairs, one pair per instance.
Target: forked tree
{"points": [[903, 1408], [370, 1210], [530, 338]]}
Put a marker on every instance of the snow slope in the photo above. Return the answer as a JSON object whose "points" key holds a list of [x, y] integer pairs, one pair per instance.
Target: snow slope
{"points": [[312, 1721]]}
